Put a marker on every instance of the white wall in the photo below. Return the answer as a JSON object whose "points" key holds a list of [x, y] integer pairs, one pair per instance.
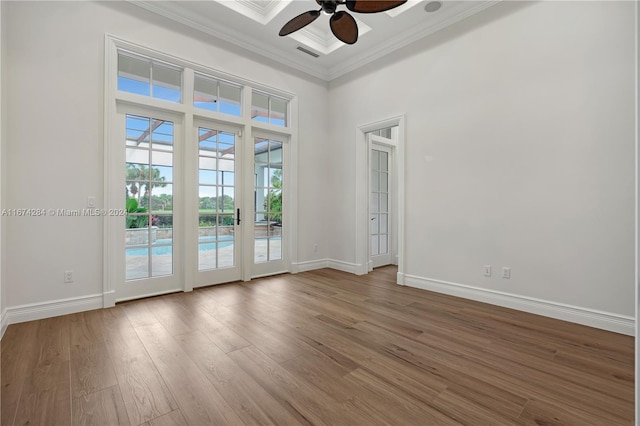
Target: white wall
{"points": [[2, 169], [637, 247], [519, 152], [55, 55]]}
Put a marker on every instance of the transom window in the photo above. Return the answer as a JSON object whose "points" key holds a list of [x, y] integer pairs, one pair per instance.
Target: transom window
{"points": [[216, 95], [144, 76], [150, 77], [269, 109]]}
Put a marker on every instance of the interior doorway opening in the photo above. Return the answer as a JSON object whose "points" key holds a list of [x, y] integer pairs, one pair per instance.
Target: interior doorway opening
{"points": [[380, 195], [382, 198]]}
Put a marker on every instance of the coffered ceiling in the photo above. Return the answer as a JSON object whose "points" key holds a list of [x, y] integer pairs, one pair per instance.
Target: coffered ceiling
{"points": [[254, 25]]}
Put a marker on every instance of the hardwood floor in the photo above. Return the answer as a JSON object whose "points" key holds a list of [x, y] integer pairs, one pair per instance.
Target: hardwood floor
{"points": [[321, 347]]}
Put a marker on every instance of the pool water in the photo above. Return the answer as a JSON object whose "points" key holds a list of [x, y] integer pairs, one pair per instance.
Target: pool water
{"points": [[165, 247]]}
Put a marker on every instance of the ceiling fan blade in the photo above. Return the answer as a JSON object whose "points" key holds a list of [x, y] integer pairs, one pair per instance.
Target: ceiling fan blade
{"points": [[299, 22], [344, 27], [372, 6]]}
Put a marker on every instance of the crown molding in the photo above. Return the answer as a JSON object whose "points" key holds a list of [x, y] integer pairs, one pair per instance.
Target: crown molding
{"points": [[235, 38], [317, 70], [403, 40]]}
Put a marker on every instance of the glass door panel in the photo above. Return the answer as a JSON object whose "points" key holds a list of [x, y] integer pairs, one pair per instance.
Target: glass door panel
{"points": [[379, 173], [268, 200], [148, 197], [148, 147], [218, 205]]}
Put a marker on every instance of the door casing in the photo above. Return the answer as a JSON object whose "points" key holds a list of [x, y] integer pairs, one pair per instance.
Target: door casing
{"points": [[362, 219]]}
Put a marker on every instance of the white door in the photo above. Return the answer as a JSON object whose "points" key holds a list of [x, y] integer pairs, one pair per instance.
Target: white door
{"points": [[381, 200], [270, 190], [149, 173], [220, 213]]}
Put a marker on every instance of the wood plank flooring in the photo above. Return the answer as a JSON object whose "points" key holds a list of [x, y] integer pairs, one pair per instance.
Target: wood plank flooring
{"points": [[321, 347]]}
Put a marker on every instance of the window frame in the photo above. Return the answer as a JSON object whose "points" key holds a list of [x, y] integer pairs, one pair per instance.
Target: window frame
{"points": [[270, 97], [113, 270], [152, 61]]}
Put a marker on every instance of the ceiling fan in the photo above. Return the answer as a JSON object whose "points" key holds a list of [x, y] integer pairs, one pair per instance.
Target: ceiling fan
{"points": [[343, 26]]}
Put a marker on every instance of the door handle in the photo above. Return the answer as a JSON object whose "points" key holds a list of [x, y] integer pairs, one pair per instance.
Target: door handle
{"points": [[238, 216]]}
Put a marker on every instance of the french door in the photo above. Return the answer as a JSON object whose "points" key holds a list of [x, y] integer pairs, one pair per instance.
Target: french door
{"points": [[270, 204], [186, 224], [219, 204], [381, 238], [150, 174]]}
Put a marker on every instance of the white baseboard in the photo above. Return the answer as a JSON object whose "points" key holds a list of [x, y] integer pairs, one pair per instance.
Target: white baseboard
{"points": [[339, 265], [310, 265], [4, 322], [604, 320], [351, 268], [109, 299], [36, 311]]}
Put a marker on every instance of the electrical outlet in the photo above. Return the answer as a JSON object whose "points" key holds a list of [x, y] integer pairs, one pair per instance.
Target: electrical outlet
{"points": [[506, 272], [91, 201], [315, 248], [68, 276], [487, 270]]}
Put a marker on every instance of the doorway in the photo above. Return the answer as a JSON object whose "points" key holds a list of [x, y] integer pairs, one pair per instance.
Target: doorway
{"points": [[151, 240], [203, 207], [380, 195], [219, 242], [381, 206]]}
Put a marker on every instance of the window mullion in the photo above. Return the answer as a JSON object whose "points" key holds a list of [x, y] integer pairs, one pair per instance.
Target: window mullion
{"points": [[217, 97], [188, 77], [247, 93], [151, 80]]}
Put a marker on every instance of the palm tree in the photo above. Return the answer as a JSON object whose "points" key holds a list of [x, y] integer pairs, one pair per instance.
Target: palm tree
{"points": [[140, 178], [273, 202]]}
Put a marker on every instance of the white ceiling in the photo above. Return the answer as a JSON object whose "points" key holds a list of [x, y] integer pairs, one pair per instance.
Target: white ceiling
{"points": [[254, 25]]}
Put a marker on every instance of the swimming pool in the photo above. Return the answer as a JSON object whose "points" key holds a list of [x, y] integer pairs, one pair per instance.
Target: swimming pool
{"points": [[164, 247]]}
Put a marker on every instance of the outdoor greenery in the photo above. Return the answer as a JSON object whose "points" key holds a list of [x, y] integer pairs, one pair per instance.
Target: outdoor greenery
{"points": [[213, 220], [223, 203], [141, 180], [135, 221], [273, 201]]}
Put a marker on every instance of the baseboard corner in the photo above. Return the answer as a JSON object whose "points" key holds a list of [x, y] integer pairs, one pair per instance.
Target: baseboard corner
{"points": [[351, 268], [3, 323]]}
